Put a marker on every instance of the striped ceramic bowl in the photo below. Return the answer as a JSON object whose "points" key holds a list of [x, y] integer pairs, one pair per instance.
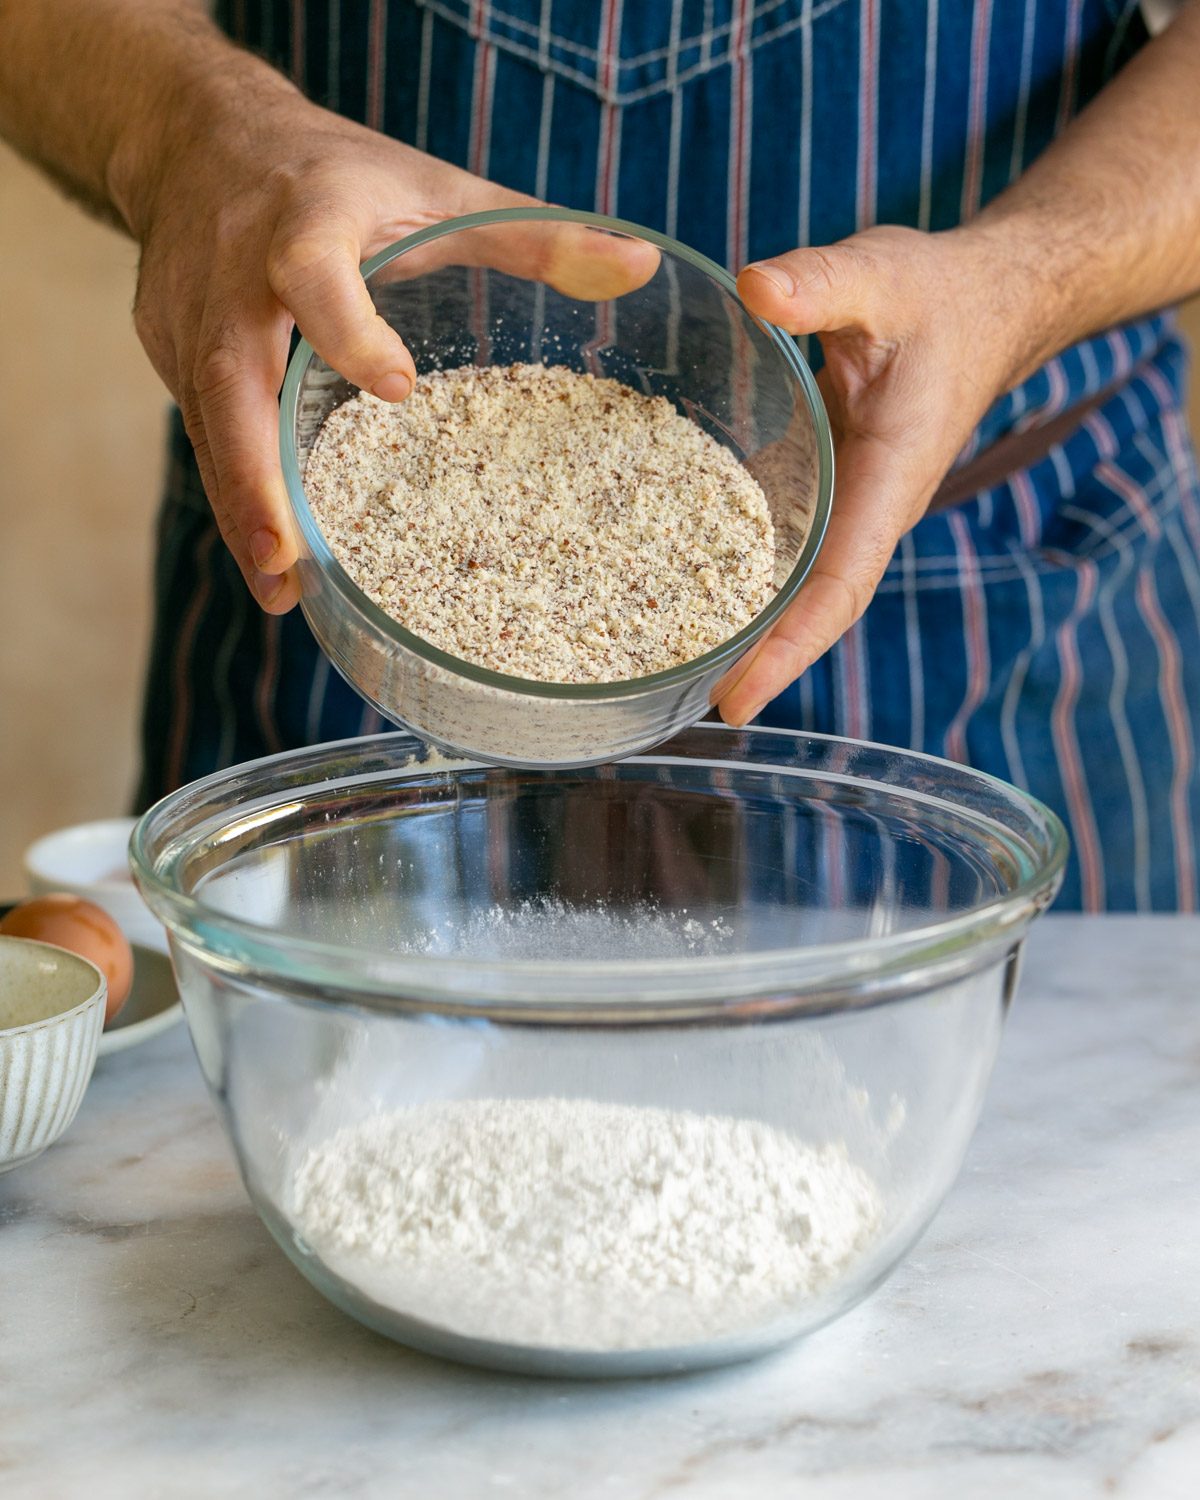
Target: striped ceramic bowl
{"points": [[51, 1015]]}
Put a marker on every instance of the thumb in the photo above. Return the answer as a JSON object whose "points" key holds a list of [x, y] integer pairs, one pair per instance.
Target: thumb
{"points": [[815, 290]]}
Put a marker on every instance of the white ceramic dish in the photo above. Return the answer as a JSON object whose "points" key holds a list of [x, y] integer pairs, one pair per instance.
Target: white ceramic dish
{"points": [[91, 860], [51, 1012], [153, 1005]]}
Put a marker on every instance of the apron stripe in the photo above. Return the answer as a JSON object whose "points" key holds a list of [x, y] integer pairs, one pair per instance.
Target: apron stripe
{"points": [[299, 68], [372, 721], [333, 59], [1121, 484], [804, 224], [184, 668], [1170, 690], [675, 138], [912, 644], [806, 701], [1019, 674], [333, 69], [481, 98], [739, 139], [856, 698], [1101, 433], [868, 110], [479, 134], [1185, 558], [610, 127], [424, 69], [1119, 695], [1178, 435], [267, 684], [1017, 161], [1070, 72], [977, 109], [377, 64], [315, 714], [607, 165], [223, 687], [925, 204], [976, 637], [1028, 514], [1066, 740]]}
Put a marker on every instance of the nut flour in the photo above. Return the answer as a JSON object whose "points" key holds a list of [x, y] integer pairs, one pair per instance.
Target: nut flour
{"points": [[543, 523], [581, 1225]]}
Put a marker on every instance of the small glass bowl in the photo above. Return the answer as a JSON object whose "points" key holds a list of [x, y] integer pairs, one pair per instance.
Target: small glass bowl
{"points": [[543, 285], [787, 932]]}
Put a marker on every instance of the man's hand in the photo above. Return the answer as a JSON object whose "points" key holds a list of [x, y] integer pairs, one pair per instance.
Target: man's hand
{"points": [[921, 333], [258, 220], [253, 208], [918, 336]]}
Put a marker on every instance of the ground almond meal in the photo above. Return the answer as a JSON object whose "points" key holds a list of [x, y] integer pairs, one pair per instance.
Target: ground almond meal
{"points": [[543, 523]]}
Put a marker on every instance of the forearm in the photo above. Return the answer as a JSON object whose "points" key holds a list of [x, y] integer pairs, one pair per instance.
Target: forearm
{"points": [[92, 91], [1105, 225]]}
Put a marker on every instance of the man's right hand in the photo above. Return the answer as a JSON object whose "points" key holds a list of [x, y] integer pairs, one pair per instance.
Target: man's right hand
{"points": [[253, 217]]}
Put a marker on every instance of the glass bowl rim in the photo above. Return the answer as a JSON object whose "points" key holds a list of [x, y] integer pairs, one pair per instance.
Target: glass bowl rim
{"points": [[396, 634], [842, 975]]}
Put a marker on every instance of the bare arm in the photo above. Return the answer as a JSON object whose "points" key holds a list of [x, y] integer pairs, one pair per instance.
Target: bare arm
{"points": [[1106, 223], [922, 332], [86, 87]]}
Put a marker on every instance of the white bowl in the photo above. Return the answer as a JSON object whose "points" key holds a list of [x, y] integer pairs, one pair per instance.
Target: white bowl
{"points": [[51, 1013], [91, 860]]}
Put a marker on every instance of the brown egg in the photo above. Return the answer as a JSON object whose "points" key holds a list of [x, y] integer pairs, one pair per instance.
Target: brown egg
{"points": [[81, 927]]}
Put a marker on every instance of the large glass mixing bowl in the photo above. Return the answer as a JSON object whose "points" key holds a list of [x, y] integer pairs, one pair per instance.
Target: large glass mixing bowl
{"points": [[808, 940], [554, 286]]}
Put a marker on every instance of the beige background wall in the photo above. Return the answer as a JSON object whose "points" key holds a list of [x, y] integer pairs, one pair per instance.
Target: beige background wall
{"points": [[81, 419]]}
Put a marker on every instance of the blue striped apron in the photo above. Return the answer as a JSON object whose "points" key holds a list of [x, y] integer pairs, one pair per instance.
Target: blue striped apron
{"points": [[1046, 629]]}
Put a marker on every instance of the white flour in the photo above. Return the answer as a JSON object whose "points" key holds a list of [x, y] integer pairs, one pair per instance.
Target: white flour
{"points": [[580, 1225], [550, 930]]}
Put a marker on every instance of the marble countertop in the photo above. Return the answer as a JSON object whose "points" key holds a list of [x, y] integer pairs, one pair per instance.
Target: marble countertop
{"points": [[1042, 1340]]}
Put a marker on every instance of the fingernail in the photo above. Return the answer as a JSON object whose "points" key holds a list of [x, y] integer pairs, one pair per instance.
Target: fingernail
{"points": [[394, 387], [268, 587], [777, 276], [264, 544]]}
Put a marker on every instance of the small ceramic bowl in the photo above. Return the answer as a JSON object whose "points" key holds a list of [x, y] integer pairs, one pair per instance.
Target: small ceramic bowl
{"points": [[51, 1013], [91, 860]]}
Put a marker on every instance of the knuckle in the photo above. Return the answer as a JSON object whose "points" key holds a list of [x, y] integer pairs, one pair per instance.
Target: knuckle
{"points": [[216, 369], [360, 349], [821, 271], [145, 324], [847, 597], [300, 260], [156, 341], [861, 585], [226, 525], [847, 601], [193, 424]]}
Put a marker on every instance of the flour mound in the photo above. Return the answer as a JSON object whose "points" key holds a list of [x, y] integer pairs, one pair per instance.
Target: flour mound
{"points": [[579, 1225]]}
